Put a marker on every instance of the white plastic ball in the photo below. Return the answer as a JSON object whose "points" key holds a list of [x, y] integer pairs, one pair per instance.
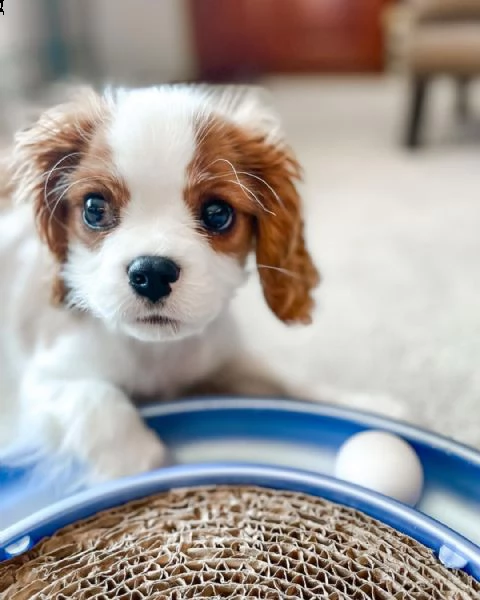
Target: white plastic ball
{"points": [[381, 462]]}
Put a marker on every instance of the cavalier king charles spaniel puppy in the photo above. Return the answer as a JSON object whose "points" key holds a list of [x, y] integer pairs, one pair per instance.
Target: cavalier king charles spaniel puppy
{"points": [[126, 222]]}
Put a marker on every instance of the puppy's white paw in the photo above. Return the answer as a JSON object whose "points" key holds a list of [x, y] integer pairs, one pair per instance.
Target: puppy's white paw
{"points": [[136, 452]]}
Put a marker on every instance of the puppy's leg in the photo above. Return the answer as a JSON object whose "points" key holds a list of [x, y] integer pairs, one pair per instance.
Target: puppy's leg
{"points": [[93, 421], [248, 376]]}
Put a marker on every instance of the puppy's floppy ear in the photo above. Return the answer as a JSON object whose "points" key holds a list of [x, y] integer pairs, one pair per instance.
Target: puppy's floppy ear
{"points": [[286, 270], [43, 156], [271, 171]]}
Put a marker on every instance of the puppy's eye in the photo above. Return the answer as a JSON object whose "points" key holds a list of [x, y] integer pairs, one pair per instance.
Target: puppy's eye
{"points": [[97, 212], [217, 215]]}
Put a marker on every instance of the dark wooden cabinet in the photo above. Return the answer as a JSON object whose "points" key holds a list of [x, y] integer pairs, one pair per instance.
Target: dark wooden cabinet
{"points": [[241, 38]]}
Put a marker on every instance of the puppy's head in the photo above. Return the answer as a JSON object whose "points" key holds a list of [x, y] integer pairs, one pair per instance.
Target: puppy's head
{"points": [[150, 201]]}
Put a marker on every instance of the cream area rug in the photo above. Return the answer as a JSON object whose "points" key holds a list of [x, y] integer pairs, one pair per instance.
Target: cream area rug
{"points": [[397, 237]]}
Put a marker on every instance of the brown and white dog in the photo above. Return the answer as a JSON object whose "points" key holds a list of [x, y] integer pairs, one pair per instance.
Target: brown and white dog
{"points": [[131, 215]]}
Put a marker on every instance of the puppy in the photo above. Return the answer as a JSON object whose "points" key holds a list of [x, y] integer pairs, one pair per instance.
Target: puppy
{"points": [[126, 222]]}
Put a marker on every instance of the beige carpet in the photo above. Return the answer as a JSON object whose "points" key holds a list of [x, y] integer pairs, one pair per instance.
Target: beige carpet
{"points": [[397, 237]]}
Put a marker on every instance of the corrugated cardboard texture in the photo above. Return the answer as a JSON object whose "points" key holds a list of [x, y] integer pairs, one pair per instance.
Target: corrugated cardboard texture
{"points": [[231, 542]]}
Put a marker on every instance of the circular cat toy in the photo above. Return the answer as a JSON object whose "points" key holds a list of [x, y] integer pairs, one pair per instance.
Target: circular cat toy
{"points": [[270, 510]]}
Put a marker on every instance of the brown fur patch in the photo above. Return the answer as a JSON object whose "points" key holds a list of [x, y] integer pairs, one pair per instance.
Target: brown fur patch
{"points": [[59, 160], [258, 178], [94, 174], [210, 175], [45, 154]]}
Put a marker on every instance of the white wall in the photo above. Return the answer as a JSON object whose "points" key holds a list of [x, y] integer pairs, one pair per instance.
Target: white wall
{"points": [[142, 40], [128, 42], [19, 26], [21, 34], [131, 41]]}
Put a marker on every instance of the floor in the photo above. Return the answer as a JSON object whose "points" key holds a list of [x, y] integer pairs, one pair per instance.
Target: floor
{"points": [[396, 236]]}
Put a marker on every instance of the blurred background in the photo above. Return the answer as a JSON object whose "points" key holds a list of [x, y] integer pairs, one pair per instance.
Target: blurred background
{"points": [[380, 101]]}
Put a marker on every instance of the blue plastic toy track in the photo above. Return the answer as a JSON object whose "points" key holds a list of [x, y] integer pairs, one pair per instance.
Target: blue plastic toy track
{"points": [[271, 443]]}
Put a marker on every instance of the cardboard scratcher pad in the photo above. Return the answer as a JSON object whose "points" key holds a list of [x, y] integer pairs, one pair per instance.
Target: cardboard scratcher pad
{"points": [[231, 542]]}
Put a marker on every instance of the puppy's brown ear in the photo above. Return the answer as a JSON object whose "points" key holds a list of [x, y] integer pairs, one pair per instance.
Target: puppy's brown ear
{"points": [[269, 173], [286, 270], [44, 155]]}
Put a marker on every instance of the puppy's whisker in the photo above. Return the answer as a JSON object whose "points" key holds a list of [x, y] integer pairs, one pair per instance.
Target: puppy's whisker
{"points": [[52, 209], [229, 163], [206, 129], [65, 186], [265, 183], [52, 170], [57, 168], [247, 191], [286, 272]]}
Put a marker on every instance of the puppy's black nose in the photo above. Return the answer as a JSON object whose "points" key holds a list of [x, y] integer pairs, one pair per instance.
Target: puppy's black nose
{"points": [[152, 276]]}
